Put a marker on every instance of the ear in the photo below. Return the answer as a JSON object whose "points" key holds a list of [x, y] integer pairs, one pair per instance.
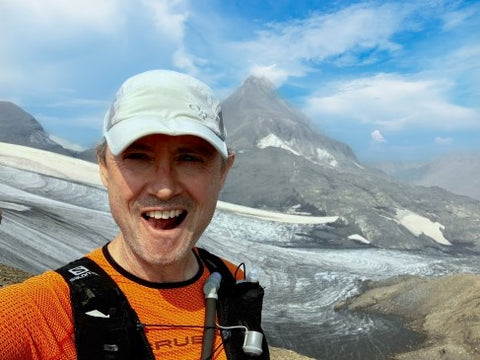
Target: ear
{"points": [[102, 167], [228, 166]]}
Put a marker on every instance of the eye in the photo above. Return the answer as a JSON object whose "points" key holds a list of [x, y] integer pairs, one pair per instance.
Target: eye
{"points": [[190, 158]]}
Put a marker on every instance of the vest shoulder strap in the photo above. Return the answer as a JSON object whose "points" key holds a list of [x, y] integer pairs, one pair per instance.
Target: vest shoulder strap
{"points": [[105, 325], [216, 264]]}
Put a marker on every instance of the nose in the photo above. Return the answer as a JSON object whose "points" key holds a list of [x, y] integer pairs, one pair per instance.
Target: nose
{"points": [[164, 182]]}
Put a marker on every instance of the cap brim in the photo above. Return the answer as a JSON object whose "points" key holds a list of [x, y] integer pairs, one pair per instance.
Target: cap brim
{"points": [[123, 134]]}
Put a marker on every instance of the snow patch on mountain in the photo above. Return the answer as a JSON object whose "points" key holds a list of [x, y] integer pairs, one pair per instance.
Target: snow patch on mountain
{"points": [[272, 140], [67, 144], [359, 238], [418, 225], [327, 157], [275, 216]]}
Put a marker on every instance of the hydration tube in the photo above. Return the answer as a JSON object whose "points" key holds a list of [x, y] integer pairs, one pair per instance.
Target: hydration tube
{"points": [[210, 289], [252, 344]]}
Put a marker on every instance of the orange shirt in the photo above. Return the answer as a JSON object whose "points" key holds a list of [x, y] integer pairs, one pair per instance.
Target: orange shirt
{"points": [[36, 316]]}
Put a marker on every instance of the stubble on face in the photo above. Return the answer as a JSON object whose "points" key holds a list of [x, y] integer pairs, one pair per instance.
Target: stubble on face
{"points": [[157, 230], [169, 245]]}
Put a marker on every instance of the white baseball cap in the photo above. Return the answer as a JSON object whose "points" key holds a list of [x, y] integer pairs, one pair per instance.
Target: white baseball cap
{"points": [[164, 102]]}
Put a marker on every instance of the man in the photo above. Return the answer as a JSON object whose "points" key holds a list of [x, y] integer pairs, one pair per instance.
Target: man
{"points": [[163, 161]]}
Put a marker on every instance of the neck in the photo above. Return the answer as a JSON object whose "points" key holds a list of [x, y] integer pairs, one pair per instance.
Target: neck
{"points": [[177, 271]]}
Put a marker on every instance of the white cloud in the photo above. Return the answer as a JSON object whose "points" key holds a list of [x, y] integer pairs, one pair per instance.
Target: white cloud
{"points": [[56, 58], [377, 136], [56, 20], [45, 45], [393, 102], [273, 73], [187, 62], [170, 17], [443, 140], [39, 38], [453, 19], [296, 46]]}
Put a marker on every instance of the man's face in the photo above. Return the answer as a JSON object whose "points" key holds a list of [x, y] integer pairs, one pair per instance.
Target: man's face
{"points": [[162, 192]]}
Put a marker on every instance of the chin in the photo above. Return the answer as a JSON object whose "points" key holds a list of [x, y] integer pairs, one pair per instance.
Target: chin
{"points": [[166, 256]]}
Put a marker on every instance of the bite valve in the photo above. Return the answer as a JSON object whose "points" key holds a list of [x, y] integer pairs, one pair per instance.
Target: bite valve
{"points": [[252, 344], [253, 275]]}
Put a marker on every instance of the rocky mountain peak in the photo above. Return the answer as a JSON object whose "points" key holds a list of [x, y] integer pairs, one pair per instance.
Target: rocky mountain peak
{"points": [[258, 117], [18, 122], [258, 84], [258, 95], [19, 127]]}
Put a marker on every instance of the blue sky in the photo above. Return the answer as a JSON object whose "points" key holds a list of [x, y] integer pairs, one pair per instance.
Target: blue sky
{"points": [[395, 80]]}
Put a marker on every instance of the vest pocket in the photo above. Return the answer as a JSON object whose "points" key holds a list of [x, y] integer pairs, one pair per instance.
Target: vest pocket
{"points": [[112, 339], [241, 305]]}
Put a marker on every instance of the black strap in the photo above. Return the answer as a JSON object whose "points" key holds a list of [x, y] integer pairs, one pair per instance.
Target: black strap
{"points": [[216, 264], [106, 326]]}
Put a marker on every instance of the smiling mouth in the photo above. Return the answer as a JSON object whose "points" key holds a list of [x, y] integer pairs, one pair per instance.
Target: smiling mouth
{"points": [[165, 220]]}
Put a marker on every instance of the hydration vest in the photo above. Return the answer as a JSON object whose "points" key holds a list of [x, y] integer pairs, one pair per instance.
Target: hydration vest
{"points": [[106, 326]]}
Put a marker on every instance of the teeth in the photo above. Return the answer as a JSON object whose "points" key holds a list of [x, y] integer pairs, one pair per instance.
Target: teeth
{"points": [[164, 214]]}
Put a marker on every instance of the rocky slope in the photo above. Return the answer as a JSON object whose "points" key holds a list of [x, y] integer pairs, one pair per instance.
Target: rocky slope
{"points": [[285, 163], [10, 275], [21, 128], [446, 310]]}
